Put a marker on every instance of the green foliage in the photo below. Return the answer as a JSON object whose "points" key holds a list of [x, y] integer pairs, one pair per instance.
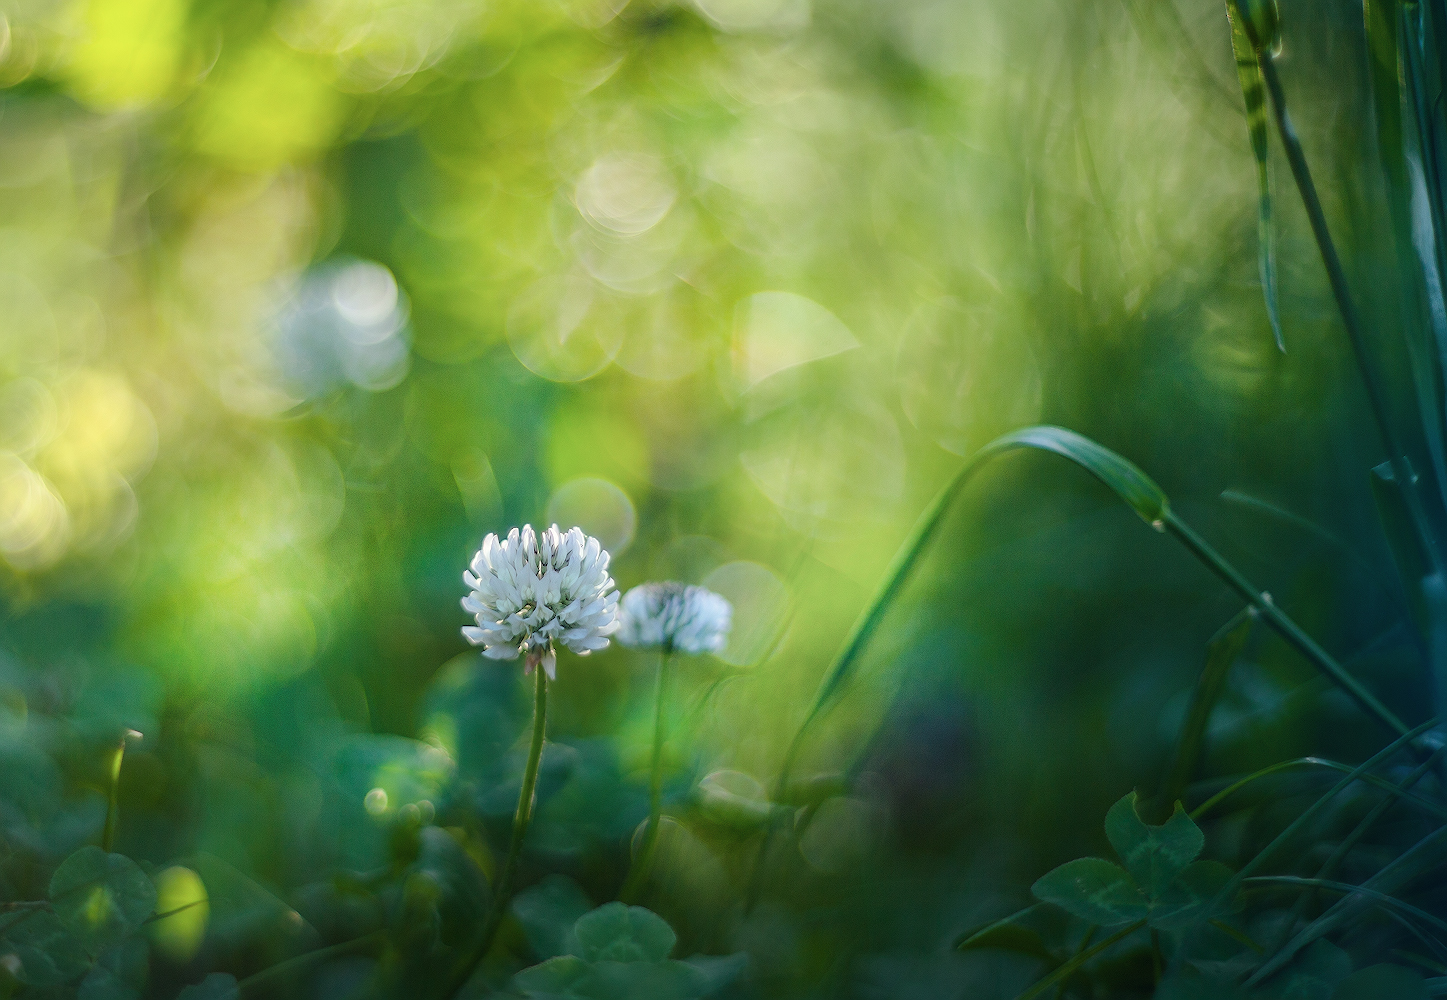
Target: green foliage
{"points": [[101, 897], [622, 952], [297, 300], [1162, 884]]}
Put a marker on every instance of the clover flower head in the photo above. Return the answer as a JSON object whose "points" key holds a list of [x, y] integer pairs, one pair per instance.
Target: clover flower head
{"points": [[531, 590], [674, 616]]}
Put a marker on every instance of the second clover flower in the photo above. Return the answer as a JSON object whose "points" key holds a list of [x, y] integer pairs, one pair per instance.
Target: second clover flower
{"points": [[532, 590], [672, 616]]}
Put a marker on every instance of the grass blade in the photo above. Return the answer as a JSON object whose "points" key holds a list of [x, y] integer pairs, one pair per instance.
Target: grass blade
{"points": [[1079, 959], [1396, 790], [1396, 874], [1346, 305], [1248, 71], [1221, 652], [1348, 889], [1132, 486]]}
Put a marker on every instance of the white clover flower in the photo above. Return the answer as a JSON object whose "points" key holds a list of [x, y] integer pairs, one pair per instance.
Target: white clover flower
{"points": [[532, 590], [674, 616]]}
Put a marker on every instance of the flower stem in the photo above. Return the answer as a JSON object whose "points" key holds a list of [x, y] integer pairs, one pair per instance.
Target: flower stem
{"points": [[502, 889], [108, 833], [1351, 319], [639, 871]]}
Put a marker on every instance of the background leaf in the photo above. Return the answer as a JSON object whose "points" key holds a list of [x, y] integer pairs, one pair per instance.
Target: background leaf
{"points": [[616, 932], [101, 897]]}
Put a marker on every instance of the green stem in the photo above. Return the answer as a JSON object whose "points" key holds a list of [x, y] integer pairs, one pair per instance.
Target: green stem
{"points": [[638, 873], [502, 890], [108, 834], [1080, 959], [1282, 624], [1351, 319], [1085, 940]]}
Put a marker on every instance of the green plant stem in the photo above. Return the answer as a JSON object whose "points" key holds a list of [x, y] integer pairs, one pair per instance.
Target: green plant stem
{"points": [[522, 818], [1283, 625], [1085, 940], [302, 961], [638, 872], [108, 833], [1351, 319], [1078, 960]]}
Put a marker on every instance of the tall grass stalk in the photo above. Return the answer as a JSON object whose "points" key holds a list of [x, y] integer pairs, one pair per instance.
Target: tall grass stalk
{"points": [[1346, 306]]}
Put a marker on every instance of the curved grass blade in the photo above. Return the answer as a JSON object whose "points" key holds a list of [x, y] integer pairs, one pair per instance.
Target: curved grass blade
{"points": [[1132, 486], [1394, 875], [1397, 791], [1310, 813], [1248, 71], [1347, 889]]}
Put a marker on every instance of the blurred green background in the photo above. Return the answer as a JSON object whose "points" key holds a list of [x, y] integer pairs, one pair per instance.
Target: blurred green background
{"points": [[300, 299]]}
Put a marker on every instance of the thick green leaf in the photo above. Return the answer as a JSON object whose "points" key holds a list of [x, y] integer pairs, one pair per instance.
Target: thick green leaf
{"points": [[101, 897], [1094, 890], [615, 932], [1248, 71], [1154, 855], [217, 986], [1382, 982]]}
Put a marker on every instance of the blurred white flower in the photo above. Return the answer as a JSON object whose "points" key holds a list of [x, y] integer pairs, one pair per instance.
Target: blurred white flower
{"points": [[674, 616], [532, 590]]}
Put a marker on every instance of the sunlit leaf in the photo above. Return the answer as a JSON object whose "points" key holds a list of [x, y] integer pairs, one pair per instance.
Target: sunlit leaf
{"points": [[182, 912]]}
